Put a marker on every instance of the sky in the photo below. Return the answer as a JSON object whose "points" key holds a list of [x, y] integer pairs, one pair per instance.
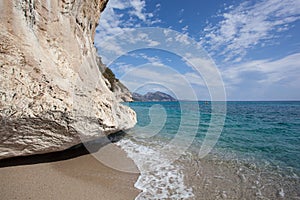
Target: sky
{"points": [[204, 49]]}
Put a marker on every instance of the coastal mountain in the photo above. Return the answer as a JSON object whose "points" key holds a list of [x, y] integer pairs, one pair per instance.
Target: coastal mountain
{"points": [[55, 91], [153, 96]]}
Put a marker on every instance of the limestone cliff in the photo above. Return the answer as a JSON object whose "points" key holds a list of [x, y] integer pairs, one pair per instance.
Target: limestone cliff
{"points": [[52, 91]]}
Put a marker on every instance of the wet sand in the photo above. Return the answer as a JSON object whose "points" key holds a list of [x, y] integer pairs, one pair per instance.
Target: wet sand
{"points": [[61, 176]]}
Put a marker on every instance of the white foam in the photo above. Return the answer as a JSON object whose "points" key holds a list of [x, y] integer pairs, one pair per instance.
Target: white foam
{"points": [[159, 179]]}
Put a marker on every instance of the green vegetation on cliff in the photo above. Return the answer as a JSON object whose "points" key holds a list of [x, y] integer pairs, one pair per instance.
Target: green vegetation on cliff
{"points": [[110, 76]]}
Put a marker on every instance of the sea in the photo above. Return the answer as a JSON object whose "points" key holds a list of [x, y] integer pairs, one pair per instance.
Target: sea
{"points": [[216, 150]]}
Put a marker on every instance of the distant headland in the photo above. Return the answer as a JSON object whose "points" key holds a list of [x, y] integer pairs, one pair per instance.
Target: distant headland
{"points": [[153, 96]]}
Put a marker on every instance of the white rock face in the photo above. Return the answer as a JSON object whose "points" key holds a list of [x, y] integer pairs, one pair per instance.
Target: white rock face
{"points": [[52, 93]]}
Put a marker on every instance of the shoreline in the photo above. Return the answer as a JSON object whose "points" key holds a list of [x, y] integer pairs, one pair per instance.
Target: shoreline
{"points": [[79, 177]]}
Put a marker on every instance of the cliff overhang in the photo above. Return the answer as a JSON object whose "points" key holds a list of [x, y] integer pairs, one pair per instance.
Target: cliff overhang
{"points": [[52, 91]]}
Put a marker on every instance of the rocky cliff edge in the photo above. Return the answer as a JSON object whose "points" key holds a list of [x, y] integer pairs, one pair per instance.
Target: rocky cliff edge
{"points": [[52, 91]]}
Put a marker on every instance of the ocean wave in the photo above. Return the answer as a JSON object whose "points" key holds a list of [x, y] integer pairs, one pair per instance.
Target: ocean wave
{"points": [[159, 178]]}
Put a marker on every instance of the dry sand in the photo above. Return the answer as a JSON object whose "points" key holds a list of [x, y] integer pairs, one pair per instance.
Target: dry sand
{"points": [[61, 176]]}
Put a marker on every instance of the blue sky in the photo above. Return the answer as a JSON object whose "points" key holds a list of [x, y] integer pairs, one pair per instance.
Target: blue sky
{"points": [[251, 48]]}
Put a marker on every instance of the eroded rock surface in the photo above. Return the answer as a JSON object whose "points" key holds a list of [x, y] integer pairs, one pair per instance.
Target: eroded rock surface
{"points": [[52, 91]]}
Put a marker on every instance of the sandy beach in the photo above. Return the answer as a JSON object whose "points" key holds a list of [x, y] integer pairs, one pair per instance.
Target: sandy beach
{"points": [[70, 174]]}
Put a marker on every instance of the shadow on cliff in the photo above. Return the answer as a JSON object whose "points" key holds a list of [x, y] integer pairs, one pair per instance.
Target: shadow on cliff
{"points": [[73, 152]]}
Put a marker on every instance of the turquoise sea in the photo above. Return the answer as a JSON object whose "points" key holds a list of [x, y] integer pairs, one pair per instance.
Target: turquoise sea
{"points": [[256, 156]]}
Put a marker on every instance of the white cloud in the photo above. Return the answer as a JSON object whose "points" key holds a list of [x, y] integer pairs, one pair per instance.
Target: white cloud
{"points": [[113, 25], [157, 64], [248, 25], [112, 46], [111, 22], [155, 21], [284, 71], [139, 7], [124, 68], [185, 29], [153, 43], [189, 85], [145, 38], [195, 78], [153, 60], [165, 77], [208, 73], [119, 4], [121, 67], [183, 38]]}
